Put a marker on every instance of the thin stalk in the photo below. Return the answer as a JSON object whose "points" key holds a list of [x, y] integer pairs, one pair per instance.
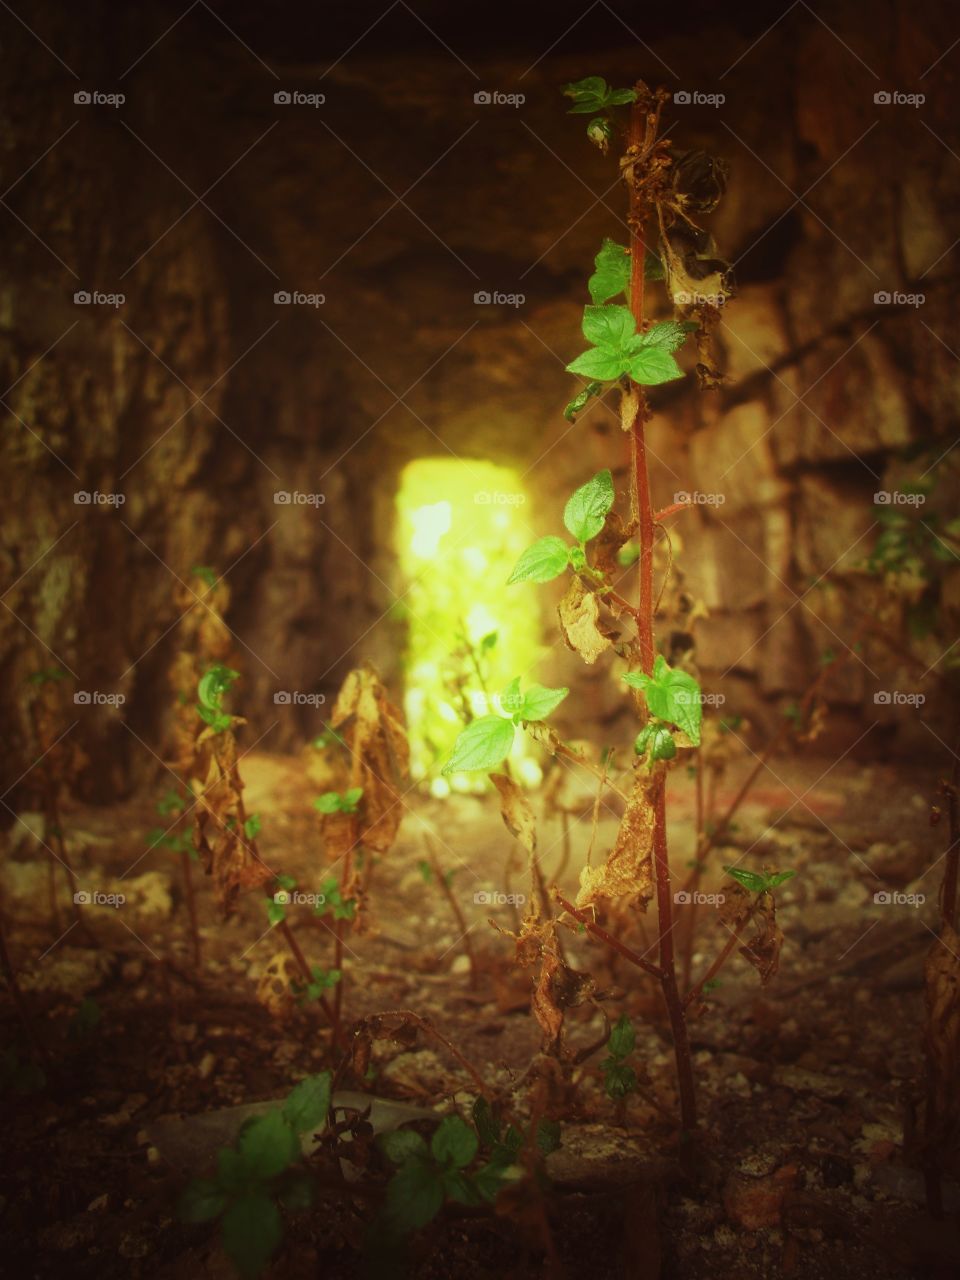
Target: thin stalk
{"points": [[644, 122], [455, 907], [615, 944], [191, 903]]}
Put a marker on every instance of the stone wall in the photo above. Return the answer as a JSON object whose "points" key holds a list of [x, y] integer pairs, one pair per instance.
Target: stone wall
{"points": [[199, 398]]}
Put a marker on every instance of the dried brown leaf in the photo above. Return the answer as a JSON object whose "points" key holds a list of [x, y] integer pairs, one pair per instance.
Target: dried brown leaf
{"points": [[629, 867], [763, 949], [275, 987], [579, 613], [374, 732], [518, 816]]}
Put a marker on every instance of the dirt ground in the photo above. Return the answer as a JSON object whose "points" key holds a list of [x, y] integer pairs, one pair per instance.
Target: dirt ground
{"points": [[807, 1087]]}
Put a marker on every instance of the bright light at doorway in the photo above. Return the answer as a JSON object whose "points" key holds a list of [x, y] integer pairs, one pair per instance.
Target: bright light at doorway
{"points": [[461, 527]]}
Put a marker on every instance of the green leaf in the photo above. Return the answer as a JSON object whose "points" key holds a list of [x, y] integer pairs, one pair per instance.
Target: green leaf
{"points": [[401, 1144], [548, 1136], [539, 701], [668, 334], [483, 744], [214, 683], [218, 721], [461, 1187], [778, 878], [205, 574], [489, 641], [351, 798], [579, 401], [454, 1142], [252, 1230], [662, 744], [276, 912], [285, 881], [609, 327], [488, 1126], [267, 1144], [619, 1079], [252, 826], [751, 880], [329, 802], [672, 695], [652, 266], [651, 366], [414, 1195], [510, 699], [542, 562], [308, 1104], [595, 363], [587, 507], [612, 274], [488, 1180], [170, 802], [588, 94], [593, 94], [623, 1038], [201, 1200]]}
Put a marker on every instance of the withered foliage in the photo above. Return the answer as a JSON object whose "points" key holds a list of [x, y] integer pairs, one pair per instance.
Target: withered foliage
{"points": [[375, 735], [580, 626], [204, 641], [763, 949], [517, 814], [228, 856], [628, 870], [557, 987], [275, 987]]}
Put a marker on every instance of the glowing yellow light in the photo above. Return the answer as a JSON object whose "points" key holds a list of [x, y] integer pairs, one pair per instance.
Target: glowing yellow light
{"points": [[457, 554], [430, 523]]}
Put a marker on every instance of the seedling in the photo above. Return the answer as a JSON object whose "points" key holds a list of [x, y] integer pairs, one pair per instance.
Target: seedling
{"points": [[261, 1171], [619, 1078], [486, 741], [334, 802]]}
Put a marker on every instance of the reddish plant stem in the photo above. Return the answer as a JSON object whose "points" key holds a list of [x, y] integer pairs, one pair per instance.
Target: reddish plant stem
{"points": [[696, 991], [191, 904], [948, 890], [614, 943], [644, 122], [455, 907]]}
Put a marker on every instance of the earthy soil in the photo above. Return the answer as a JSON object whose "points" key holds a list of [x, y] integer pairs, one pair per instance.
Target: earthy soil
{"points": [[807, 1165]]}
